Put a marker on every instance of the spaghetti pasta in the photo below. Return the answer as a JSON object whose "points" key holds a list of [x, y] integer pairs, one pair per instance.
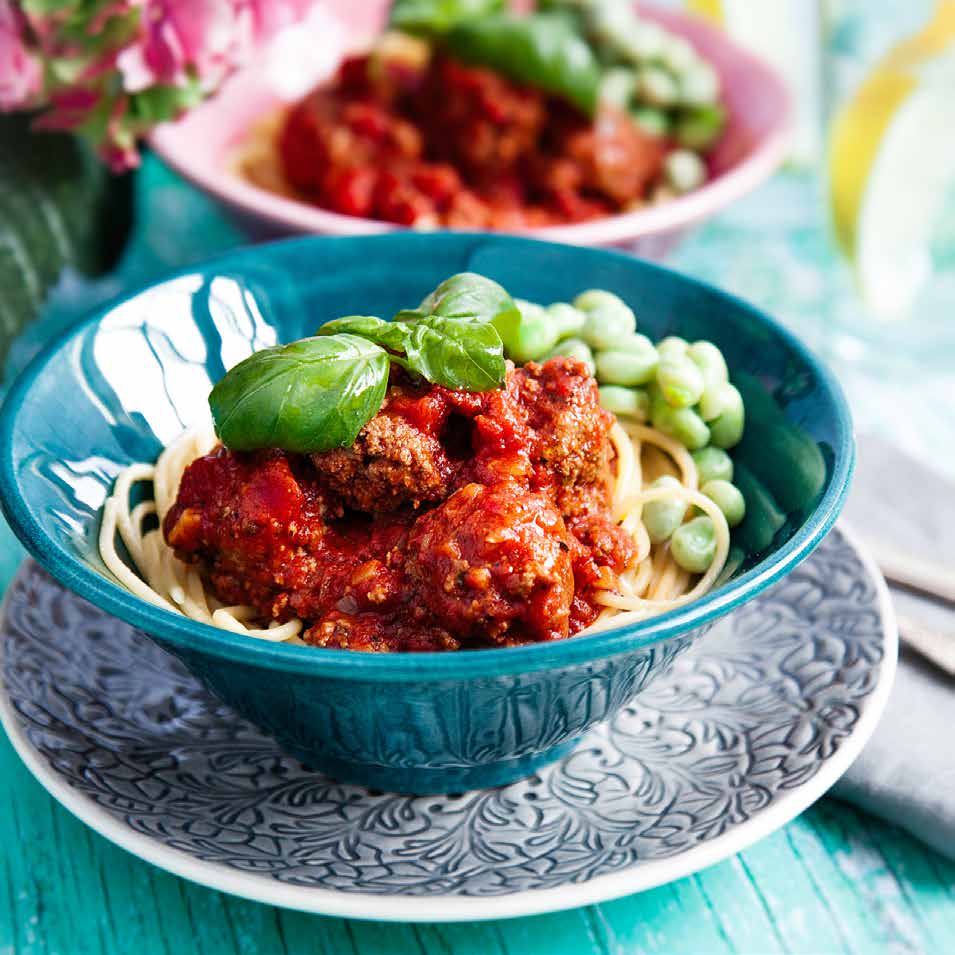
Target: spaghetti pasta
{"points": [[653, 584]]}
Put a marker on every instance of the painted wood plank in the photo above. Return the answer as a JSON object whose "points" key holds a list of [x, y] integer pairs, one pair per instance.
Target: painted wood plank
{"points": [[852, 878], [889, 923]]}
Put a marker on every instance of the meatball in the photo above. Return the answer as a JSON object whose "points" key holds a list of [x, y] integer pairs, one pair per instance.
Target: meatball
{"points": [[563, 408], [391, 463], [494, 563], [477, 118], [616, 158], [250, 523]]}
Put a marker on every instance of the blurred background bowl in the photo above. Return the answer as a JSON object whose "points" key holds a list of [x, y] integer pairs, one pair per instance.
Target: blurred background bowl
{"points": [[121, 384], [201, 146]]}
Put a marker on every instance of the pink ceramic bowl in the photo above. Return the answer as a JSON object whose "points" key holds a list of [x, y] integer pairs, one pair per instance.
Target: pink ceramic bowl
{"points": [[200, 145]]}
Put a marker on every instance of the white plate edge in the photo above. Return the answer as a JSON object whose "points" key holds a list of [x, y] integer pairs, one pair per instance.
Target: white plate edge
{"points": [[449, 908]]}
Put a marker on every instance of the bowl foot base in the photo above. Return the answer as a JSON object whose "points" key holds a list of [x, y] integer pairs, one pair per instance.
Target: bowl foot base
{"points": [[423, 781]]}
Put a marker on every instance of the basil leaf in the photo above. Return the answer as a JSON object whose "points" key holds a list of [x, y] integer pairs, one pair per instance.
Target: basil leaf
{"points": [[430, 17], [541, 50], [456, 353], [389, 335], [312, 395], [468, 295]]}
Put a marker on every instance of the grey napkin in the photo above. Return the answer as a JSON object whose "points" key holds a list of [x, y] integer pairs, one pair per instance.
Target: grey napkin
{"points": [[906, 773]]}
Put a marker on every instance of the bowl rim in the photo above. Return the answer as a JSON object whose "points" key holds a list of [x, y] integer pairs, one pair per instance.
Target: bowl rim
{"points": [[739, 179], [195, 637]]}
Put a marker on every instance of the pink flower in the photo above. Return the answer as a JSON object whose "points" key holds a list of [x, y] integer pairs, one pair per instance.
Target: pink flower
{"points": [[267, 17], [21, 77], [181, 35]]}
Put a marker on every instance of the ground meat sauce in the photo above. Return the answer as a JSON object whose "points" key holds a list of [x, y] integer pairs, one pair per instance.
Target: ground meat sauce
{"points": [[456, 519], [446, 144]]}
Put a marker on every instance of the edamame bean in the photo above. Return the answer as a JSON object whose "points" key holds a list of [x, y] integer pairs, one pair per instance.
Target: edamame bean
{"points": [[683, 424], [672, 346], [680, 381], [713, 464], [683, 170], [618, 87], [677, 55], [574, 348], [698, 84], [640, 41], [536, 334], [716, 396], [651, 120], [568, 320], [727, 428], [662, 517], [728, 498], [609, 319], [700, 127], [633, 403], [632, 362], [709, 359], [595, 298], [657, 87], [693, 544]]}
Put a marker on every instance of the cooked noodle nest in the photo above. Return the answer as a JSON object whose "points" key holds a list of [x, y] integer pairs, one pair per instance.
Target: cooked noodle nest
{"points": [[653, 584]]}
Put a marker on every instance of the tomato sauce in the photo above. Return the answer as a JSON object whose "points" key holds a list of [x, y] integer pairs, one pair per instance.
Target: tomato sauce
{"points": [[457, 519], [443, 144]]}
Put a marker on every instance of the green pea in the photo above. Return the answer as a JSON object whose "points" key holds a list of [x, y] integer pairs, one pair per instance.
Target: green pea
{"points": [[651, 120], [727, 428], [575, 348], [709, 359], [680, 381], [684, 171], [698, 84], [661, 518], [693, 544], [713, 464], [700, 127], [606, 326], [633, 403], [672, 345], [536, 334], [657, 87], [618, 87], [569, 320], [683, 424], [632, 362], [728, 498]]}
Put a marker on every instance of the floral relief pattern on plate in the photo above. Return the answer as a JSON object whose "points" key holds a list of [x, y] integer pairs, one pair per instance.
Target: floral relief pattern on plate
{"points": [[750, 713]]}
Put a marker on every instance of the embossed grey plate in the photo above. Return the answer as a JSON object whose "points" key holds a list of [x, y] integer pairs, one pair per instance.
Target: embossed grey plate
{"points": [[747, 730]]}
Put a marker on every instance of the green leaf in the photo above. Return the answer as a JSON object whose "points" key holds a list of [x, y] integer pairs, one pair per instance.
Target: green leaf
{"points": [[390, 335], [541, 50], [468, 295], [456, 352], [312, 395], [59, 207], [431, 17]]}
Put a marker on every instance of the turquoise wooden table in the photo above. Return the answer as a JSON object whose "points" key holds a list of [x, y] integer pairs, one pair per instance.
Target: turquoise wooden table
{"points": [[834, 880]]}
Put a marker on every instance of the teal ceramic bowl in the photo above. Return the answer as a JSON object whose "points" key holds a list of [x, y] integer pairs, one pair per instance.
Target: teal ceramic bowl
{"points": [[128, 379]]}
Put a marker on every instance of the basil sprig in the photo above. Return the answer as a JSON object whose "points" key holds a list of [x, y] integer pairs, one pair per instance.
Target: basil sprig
{"points": [[456, 354], [318, 393], [312, 395], [434, 17], [542, 50]]}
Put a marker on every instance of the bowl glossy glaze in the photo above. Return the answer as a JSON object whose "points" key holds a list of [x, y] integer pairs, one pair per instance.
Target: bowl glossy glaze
{"points": [[128, 379], [200, 145]]}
